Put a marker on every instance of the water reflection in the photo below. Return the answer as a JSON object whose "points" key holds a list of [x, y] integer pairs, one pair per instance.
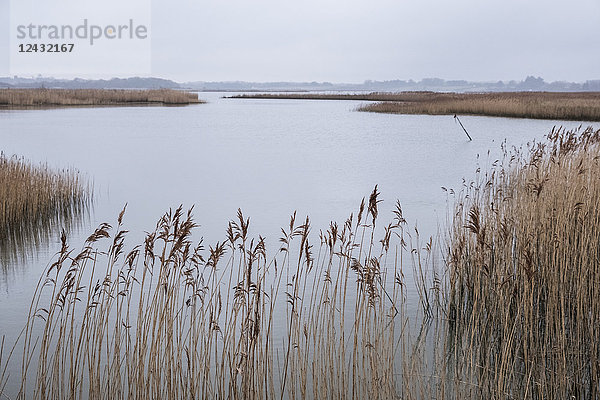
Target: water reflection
{"points": [[29, 238]]}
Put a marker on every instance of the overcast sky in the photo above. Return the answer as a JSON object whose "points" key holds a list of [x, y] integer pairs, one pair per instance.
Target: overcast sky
{"points": [[351, 40]]}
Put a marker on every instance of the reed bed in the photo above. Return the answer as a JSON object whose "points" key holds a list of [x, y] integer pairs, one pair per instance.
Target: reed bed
{"points": [[373, 96], [364, 312], [93, 97], [34, 200], [523, 297], [536, 105], [576, 106], [170, 319]]}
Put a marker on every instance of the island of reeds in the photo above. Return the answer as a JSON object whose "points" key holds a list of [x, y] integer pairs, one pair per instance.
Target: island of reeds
{"points": [[36, 200], [507, 306], [574, 106], [18, 98]]}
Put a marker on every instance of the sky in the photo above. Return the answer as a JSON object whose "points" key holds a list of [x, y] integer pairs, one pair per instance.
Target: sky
{"points": [[353, 41]]}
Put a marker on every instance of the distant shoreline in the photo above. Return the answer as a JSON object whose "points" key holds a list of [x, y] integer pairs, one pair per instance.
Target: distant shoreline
{"points": [[574, 106], [52, 98]]}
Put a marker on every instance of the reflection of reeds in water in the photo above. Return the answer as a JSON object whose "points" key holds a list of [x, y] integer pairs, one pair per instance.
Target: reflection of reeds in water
{"points": [[514, 313], [35, 202], [27, 240]]}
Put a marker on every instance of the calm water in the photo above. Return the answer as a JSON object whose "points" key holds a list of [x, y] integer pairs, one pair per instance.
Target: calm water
{"points": [[269, 157]]}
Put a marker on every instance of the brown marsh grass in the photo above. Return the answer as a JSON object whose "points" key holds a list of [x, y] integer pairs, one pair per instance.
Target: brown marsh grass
{"points": [[374, 96], [34, 200], [577, 106], [523, 297], [513, 313], [93, 97], [537, 105], [171, 319]]}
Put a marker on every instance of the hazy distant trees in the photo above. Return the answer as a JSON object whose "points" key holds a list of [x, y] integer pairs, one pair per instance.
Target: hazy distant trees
{"points": [[532, 83]]}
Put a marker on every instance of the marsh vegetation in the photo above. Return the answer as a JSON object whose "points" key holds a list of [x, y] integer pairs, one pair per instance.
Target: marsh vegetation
{"points": [[34, 200], [522, 303], [579, 106], [93, 97]]}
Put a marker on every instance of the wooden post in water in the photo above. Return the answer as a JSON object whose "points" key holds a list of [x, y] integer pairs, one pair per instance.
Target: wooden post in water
{"points": [[456, 118]]}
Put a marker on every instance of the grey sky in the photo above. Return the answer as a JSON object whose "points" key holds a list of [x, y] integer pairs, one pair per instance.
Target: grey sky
{"points": [[4, 50], [350, 40]]}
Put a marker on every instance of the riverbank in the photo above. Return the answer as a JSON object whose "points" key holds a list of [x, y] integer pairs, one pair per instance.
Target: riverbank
{"points": [[18, 98], [573, 106]]}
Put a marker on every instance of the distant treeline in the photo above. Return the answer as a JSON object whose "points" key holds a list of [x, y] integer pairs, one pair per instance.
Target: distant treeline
{"points": [[434, 84], [115, 83], [530, 83]]}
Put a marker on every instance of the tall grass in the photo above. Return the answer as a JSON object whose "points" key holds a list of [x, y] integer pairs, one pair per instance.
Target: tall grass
{"points": [[577, 106], [524, 275], [34, 200], [170, 319], [537, 105], [513, 312], [93, 97]]}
